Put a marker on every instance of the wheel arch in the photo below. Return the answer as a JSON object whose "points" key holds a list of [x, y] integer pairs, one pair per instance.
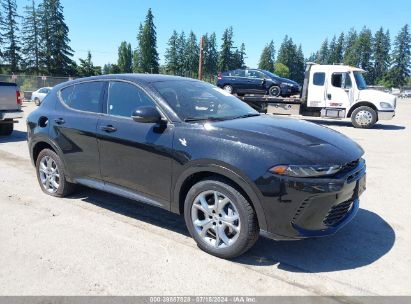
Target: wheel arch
{"points": [[194, 174], [362, 104]]}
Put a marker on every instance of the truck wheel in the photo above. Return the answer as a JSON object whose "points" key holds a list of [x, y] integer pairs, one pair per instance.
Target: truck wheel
{"points": [[220, 219], [364, 117], [6, 128], [274, 91], [51, 174]]}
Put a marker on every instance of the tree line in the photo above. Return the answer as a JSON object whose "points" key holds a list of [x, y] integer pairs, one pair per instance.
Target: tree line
{"points": [[42, 46]]}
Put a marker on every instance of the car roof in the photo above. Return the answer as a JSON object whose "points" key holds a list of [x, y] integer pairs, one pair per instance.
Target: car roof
{"points": [[144, 78]]}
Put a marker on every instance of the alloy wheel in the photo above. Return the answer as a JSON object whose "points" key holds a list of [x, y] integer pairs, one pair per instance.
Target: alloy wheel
{"points": [[215, 219], [49, 174]]}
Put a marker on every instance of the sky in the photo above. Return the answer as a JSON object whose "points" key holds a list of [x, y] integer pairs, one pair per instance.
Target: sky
{"points": [[101, 25]]}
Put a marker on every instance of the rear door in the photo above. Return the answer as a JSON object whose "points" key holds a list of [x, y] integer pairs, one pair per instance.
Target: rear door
{"points": [[73, 127], [316, 90], [133, 155]]}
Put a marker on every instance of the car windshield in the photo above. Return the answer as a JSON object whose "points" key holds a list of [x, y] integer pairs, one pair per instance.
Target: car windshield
{"points": [[196, 101], [359, 79], [271, 74]]}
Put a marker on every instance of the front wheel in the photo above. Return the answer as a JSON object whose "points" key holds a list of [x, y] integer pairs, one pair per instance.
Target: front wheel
{"points": [[274, 91], [220, 219], [364, 117], [228, 88]]}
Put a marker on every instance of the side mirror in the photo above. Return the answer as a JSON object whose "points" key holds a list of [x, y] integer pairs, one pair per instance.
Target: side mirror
{"points": [[146, 115]]}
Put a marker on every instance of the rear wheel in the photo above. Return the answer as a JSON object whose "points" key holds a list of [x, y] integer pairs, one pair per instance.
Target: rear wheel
{"points": [[220, 219], [6, 128], [228, 88], [274, 91], [51, 175], [364, 117]]}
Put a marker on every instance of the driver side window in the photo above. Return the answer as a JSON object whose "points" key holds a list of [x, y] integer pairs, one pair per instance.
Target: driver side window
{"points": [[124, 98]]}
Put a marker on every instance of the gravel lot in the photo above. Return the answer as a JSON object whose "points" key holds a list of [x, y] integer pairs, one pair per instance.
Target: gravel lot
{"points": [[99, 244]]}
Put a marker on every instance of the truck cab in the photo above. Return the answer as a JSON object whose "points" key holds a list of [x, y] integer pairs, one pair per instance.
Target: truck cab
{"points": [[339, 91]]}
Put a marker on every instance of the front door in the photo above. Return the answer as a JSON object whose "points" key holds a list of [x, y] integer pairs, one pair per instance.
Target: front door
{"points": [[339, 91], [133, 155], [256, 81]]}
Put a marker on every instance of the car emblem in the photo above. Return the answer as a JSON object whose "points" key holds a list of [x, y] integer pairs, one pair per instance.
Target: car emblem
{"points": [[183, 141]]}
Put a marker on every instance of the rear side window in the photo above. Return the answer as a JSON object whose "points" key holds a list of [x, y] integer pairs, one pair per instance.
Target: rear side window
{"points": [[124, 98], [83, 96], [319, 79]]}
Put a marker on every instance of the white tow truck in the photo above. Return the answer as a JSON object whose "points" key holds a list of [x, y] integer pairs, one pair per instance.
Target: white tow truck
{"points": [[332, 91]]}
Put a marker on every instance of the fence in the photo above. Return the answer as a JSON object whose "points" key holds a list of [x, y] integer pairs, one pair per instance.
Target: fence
{"points": [[28, 83]]}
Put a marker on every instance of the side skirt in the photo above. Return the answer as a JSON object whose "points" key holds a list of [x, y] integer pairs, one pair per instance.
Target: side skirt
{"points": [[120, 191]]}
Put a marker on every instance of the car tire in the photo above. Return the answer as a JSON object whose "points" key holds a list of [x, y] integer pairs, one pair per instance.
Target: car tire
{"points": [[364, 117], [232, 221], [55, 173], [228, 88], [274, 91], [6, 128], [36, 101]]}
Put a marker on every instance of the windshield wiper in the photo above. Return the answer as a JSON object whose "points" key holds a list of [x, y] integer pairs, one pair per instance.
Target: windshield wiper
{"points": [[246, 115], [192, 119]]}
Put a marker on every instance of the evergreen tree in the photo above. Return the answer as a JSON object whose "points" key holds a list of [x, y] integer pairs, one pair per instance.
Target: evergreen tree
{"points": [[210, 54], [299, 65], [364, 51], [339, 49], [381, 51], [225, 61], [401, 58], [267, 57], [10, 31], [106, 69], [239, 57], [87, 68], [312, 57], [31, 39], [332, 51], [56, 53], [137, 68], [171, 55], [291, 57], [125, 58], [351, 55], [192, 53], [323, 53], [148, 46]]}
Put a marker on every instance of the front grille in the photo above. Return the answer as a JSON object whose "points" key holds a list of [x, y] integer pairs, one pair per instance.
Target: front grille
{"points": [[337, 213]]}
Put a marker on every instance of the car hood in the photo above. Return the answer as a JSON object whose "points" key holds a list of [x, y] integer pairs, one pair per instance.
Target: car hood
{"points": [[287, 140], [376, 96]]}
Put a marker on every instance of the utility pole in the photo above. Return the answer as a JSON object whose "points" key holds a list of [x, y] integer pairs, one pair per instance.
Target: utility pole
{"points": [[200, 62]]}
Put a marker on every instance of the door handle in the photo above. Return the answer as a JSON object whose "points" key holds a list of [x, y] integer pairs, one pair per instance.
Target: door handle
{"points": [[60, 121], [108, 129], [329, 96]]}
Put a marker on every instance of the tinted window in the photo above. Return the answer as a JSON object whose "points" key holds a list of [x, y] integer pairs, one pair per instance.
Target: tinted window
{"points": [[199, 100], [319, 79], [83, 96], [239, 73], [124, 98], [255, 74], [336, 80]]}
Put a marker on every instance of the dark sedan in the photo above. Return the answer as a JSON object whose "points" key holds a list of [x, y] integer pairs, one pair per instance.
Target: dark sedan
{"points": [[191, 148], [255, 81]]}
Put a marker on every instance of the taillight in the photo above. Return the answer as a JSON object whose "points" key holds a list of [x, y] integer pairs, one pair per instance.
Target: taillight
{"points": [[19, 100], [219, 77]]}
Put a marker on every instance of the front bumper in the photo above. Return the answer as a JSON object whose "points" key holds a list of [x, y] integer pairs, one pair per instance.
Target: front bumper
{"points": [[386, 115], [298, 208]]}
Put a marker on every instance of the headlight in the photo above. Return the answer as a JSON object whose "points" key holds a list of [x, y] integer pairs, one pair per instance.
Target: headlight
{"points": [[385, 105], [304, 171], [289, 84]]}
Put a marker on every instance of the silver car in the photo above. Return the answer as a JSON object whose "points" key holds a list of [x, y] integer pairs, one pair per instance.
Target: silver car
{"points": [[38, 96]]}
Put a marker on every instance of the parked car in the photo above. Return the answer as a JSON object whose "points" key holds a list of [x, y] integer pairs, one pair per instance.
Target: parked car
{"points": [[191, 148], [38, 96], [255, 81], [405, 94], [10, 107]]}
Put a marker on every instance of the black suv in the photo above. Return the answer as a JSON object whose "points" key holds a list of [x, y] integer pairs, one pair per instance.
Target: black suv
{"points": [[255, 81], [191, 148]]}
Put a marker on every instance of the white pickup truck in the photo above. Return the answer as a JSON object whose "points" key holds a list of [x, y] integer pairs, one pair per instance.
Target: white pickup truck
{"points": [[332, 91], [10, 107]]}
